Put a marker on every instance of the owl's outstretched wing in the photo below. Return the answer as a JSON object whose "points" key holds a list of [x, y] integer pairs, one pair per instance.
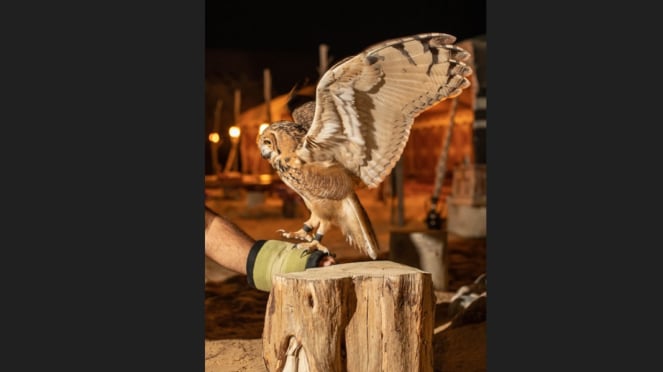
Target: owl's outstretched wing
{"points": [[365, 105]]}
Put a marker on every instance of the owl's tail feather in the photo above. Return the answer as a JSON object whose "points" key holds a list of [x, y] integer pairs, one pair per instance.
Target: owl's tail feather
{"points": [[357, 227]]}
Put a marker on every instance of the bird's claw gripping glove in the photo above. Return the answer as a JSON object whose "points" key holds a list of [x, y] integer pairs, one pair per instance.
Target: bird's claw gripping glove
{"points": [[270, 257]]}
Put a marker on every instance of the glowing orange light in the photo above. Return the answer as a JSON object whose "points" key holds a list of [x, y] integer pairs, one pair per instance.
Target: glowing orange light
{"points": [[214, 137], [234, 132]]}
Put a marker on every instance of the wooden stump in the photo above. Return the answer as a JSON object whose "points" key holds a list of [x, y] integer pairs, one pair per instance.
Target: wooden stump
{"points": [[361, 316]]}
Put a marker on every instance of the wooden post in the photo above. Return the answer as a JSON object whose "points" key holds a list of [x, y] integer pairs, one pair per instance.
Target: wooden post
{"points": [[441, 169], [215, 145], [360, 316], [398, 217], [237, 108], [323, 50], [267, 92]]}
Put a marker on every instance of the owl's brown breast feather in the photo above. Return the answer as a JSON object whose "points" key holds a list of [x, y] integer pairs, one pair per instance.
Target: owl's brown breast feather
{"points": [[319, 181]]}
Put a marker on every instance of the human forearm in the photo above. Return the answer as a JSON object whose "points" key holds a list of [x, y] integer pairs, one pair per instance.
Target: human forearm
{"points": [[226, 243], [260, 260]]}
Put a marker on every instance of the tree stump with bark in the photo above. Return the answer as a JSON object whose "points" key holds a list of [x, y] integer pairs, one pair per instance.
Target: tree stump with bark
{"points": [[361, 316]]}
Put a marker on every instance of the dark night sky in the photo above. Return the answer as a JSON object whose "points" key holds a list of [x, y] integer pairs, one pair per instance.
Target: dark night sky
{"points": [[343, 25]]}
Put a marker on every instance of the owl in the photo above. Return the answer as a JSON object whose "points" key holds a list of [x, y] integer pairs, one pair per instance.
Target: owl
{"points": [[355, 130]]}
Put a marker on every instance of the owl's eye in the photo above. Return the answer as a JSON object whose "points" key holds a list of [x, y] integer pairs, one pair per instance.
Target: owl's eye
{"points": [[266, 142]]}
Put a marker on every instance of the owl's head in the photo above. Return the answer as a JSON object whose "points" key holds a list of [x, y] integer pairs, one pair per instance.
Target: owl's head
{"points": [[281, 137]]}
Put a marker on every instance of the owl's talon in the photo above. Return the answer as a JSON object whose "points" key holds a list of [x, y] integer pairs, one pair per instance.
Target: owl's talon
{"points": [[299, 235], [314, 245], [284, 233]]}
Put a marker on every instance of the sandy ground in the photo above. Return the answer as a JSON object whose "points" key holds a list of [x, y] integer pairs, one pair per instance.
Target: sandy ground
{"points": [[234, 312]]}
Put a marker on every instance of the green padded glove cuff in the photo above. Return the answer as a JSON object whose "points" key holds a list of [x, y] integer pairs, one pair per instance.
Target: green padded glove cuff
{"points": [[270, 257]]}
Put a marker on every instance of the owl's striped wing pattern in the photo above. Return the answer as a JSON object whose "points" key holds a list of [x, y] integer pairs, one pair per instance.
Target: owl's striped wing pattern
{"points": [[365, 105]]}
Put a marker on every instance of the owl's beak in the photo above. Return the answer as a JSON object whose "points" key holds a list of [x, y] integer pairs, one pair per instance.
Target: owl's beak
{"points": [[265, 153]]}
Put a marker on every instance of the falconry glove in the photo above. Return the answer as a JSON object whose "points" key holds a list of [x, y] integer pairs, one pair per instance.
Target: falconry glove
{"points": [[270, 257]]}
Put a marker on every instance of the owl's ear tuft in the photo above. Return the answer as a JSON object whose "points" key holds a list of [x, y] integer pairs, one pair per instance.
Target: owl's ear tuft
{"points": [[295, 99], [298, 101]]}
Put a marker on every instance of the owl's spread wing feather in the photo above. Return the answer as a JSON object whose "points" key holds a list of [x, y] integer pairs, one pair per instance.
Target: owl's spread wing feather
{"points": [[365, 105]]}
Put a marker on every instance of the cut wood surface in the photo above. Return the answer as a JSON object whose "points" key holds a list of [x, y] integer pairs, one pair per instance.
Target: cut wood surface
{"points": [[360, 316]]}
